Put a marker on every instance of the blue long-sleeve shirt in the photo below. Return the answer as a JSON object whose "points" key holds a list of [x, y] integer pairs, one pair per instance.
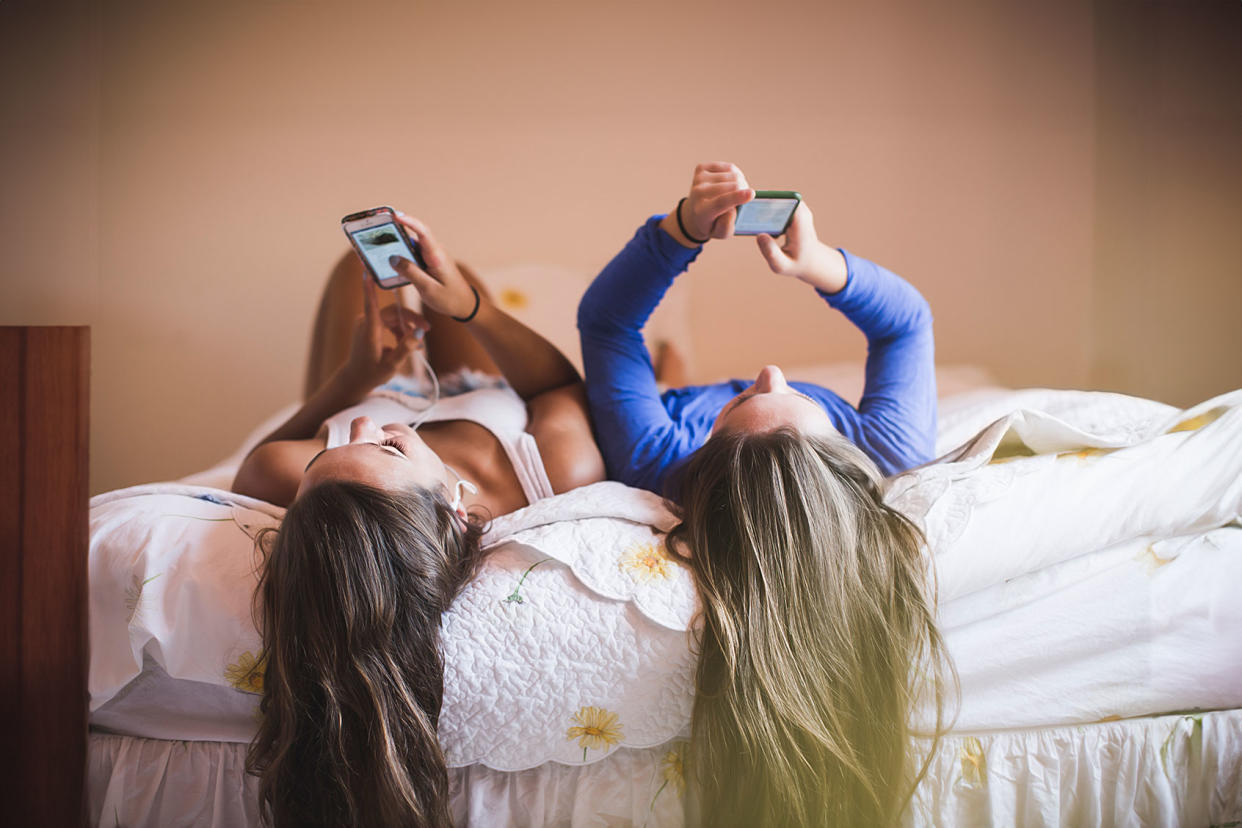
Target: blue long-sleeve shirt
{"points": [[643, 434]]}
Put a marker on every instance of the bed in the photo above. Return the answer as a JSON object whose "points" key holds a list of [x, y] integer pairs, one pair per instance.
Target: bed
{"points": [[1087, 551]]}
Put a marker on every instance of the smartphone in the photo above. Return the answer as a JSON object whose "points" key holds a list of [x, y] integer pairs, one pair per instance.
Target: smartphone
{"points": [[376, 235], [770, 211]]}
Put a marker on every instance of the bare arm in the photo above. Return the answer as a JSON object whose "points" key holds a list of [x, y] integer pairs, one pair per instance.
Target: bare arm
{"points": [[530, 363], [273, 469]]}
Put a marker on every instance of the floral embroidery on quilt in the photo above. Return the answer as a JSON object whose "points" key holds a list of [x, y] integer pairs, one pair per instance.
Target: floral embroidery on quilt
{"points": [[974, 763], [246, 674], [1193, 743], [648, 562], [515, 597], [596, 729], [1083, 455], [134, 595], [1196, 423], [1149, 558]]}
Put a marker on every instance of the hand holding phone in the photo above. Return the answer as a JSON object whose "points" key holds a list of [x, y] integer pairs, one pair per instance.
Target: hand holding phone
{"points": [[803, 256], [708, 211], [769, 212], [438, 280], [377, 235]]}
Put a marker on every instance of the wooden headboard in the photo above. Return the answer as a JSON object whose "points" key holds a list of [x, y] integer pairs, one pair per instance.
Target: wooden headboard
{"points": [[44, 417]]}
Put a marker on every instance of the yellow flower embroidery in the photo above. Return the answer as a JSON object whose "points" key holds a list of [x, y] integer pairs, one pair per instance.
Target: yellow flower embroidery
{"points": [[1086, 454], [246, 673], [513, 299], [134, 595], [596, 729], [1196, 423], [974, 763], [1153, 561], [647, 562], [673, 767]]}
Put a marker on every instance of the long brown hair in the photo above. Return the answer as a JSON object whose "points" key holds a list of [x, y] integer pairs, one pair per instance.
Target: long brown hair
{"points": [[818, 639], [350, 598]]}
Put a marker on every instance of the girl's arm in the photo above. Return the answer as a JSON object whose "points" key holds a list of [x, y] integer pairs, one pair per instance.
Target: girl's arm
{"points": [[272, 471], [897, 412], [530, 364], [638, 439]]}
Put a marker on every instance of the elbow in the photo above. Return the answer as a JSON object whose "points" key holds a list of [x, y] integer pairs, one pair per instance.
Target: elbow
{"points": [[589, 313], [920, 312]]}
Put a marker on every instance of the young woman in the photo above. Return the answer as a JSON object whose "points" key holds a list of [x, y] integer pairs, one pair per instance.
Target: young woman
{"points": [[382, 531], [818, 638]]}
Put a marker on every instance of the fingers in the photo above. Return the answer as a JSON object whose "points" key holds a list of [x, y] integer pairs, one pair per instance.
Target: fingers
{"points": [[802, 228], [727, 201], [403, 321], [399, 353], [776, 258], [416, 276], [717, 171], [717, 190], [433, 254], [722, 227]]}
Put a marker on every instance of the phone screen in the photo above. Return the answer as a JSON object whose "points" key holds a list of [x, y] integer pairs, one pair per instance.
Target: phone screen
{"points": [[764, 215], [377, 244]]}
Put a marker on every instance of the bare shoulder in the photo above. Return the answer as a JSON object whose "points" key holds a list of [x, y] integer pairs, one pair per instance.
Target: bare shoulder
{"points": [[273, 471], [562, 429]]}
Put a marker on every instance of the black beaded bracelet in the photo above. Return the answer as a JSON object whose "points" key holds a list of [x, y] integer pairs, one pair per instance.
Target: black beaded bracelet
{"points": [[682, 227], [472, 314]]}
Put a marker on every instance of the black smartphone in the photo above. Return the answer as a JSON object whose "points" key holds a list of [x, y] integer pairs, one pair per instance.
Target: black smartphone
{"points": [[376, 234], [770, 211]]}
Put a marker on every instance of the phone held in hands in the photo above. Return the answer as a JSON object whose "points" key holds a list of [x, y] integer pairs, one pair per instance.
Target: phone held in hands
{"points": [[376, 235], [770, 211]]}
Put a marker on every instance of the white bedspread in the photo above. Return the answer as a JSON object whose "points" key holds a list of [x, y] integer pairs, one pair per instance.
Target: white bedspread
{"points": [[1084, 575]]}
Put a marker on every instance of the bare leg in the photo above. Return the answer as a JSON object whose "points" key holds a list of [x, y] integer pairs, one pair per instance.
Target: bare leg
{"points": [[561, 426], [670, 365]]}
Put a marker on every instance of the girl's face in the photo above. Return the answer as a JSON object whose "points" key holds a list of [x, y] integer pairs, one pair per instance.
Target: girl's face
{"points": [[770, 404], [392, 457]]}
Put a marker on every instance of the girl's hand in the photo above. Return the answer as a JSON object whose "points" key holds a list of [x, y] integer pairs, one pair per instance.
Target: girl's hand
{"points": [[718, 188], [371, 362], [444, 288], [803, 256]]}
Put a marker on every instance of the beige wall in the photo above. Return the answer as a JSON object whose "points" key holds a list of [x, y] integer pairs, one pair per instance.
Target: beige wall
{"points": [[1167, 319], [197, 157]]}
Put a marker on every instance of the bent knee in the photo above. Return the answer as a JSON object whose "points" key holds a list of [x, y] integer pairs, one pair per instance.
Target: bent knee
{"points": [[562, 430]]}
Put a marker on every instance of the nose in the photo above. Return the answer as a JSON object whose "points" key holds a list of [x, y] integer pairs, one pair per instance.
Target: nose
{"points": [[363, 428], [770, 379]]}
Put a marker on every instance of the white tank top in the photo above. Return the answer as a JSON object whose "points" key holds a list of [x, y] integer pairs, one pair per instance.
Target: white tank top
{"points": [[497, 408]]}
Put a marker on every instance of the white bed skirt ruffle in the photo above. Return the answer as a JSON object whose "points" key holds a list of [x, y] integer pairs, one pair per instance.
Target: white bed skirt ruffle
{"points": [[1160, 771]]}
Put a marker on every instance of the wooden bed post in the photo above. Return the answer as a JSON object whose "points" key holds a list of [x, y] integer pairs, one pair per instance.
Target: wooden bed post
{"points": [[44, 401]]}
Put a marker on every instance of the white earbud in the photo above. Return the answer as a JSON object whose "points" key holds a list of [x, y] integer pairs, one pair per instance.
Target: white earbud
{"points": [[461, 483]]}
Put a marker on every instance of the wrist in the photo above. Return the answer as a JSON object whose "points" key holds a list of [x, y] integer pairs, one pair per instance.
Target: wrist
{"points": [[476, 302], [669, 225], [829, 273]]}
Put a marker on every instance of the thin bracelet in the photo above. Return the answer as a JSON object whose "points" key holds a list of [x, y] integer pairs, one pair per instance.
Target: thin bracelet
{"points": [[472, 313], [682, 227]]}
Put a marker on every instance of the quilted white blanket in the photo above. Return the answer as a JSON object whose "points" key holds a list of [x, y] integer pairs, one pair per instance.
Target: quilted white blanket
{"points": [[1085, 562]]}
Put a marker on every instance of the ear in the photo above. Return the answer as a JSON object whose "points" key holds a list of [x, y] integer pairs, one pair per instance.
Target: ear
{"points": [[678, 548]]}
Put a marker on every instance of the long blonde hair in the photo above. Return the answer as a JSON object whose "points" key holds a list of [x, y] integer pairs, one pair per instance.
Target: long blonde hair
{"points": [[818, 639]]}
